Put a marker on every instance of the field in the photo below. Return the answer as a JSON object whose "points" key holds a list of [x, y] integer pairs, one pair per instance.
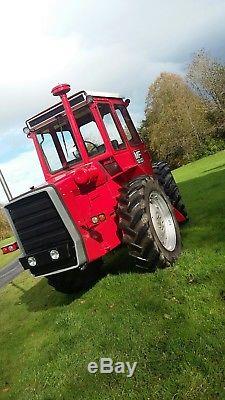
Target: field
{"points": [[170, 322], [7, 258]]}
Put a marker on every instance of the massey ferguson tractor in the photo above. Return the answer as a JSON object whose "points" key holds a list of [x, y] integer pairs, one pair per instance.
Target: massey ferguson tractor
{"points": [[101, 190]]}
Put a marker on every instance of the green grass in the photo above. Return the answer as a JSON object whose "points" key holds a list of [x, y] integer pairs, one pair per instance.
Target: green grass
{"points": [[171, 322], [7, 258]]}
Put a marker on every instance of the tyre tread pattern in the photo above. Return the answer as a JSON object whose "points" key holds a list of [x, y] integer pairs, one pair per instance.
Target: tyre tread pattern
{"points": [[165, 178], [135, 230]]}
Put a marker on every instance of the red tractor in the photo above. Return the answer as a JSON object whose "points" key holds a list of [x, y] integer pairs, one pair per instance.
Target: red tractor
{"points": [[101, 190]]}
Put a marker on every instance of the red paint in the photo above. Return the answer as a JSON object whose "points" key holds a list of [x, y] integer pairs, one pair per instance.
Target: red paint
{"points": [[180, 217], [86, 188], [86, 175], [59, 90]]}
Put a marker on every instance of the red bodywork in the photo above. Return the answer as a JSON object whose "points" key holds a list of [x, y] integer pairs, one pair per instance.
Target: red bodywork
{"points": [[87, 189]]}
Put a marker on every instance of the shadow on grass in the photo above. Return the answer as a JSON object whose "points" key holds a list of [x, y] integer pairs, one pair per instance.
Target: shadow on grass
{"points": [[120, 262], [43, 297]]}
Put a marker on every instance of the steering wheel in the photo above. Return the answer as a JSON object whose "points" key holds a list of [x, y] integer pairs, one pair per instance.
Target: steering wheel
{"points": [[95, 147]]}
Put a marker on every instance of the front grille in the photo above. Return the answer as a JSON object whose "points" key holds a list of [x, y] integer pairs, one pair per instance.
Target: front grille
{"points": [[38, 223]]}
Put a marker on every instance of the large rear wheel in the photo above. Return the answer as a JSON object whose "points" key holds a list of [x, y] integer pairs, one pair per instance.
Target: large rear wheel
{"points": [[148, 224]]}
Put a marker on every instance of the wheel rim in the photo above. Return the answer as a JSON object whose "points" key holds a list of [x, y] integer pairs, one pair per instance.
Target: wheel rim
{"points": [[162, 221]]}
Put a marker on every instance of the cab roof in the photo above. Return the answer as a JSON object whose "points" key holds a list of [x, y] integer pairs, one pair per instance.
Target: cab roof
{"points": [[76, 101]]}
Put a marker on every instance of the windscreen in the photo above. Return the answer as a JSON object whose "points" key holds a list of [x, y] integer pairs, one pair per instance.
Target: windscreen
{"points": [[59, 147]]}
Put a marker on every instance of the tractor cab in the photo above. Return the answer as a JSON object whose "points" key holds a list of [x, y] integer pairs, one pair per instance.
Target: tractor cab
{"points": [[83, 129]]}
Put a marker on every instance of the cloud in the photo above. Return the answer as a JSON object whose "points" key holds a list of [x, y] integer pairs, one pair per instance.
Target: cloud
{"points": [[21, 173], [120, 45]]}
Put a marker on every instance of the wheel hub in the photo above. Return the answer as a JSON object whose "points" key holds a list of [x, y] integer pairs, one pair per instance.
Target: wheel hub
{"points": [[162, 221]]}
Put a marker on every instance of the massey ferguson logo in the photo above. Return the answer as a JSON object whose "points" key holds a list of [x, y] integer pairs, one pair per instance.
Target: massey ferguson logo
{"points": [[138, 156]]}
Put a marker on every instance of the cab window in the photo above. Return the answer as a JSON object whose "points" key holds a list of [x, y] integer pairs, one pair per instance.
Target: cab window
{"points": [[90, 133], [68, 145], [111, 127], [48, 147], [59, 147], [127, 125]]}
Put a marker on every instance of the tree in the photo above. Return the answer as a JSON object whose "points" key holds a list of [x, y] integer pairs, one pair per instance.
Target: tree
{"points": [[175, 124], [206, 75]]}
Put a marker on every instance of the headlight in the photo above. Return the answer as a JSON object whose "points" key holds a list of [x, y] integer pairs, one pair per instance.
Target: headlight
{"points": [[32, 261], [54, 254]]}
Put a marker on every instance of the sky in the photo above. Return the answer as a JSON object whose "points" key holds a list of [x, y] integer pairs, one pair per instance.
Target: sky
{"points": [[118, 46]]}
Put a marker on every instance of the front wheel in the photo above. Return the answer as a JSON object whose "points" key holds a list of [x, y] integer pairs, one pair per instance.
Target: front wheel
{"points": [[148, 224]]}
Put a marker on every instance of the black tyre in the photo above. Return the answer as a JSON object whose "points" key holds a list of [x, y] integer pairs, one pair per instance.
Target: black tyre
{"points": [[164, 176], [148, 224], [77, 279]]}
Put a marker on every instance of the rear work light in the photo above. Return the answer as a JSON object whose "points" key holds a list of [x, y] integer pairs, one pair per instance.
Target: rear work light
{"points": [[111, 166]]}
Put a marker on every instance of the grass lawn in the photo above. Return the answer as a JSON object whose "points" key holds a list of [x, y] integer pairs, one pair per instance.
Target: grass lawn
{"points": [[171, 322], [7, 258]]}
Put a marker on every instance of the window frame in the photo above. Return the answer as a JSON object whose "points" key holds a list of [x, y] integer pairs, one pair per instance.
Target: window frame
{"points": [[135, 138], [53, 133], [120, 131], [93, 110]]}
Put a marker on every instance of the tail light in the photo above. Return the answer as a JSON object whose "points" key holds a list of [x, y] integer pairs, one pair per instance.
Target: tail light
{"points": [[111, 166], [10, 248], [98, 218]]}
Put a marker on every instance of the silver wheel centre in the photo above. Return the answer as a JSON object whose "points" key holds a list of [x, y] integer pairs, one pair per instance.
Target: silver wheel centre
{"points": [[162, 221]]}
